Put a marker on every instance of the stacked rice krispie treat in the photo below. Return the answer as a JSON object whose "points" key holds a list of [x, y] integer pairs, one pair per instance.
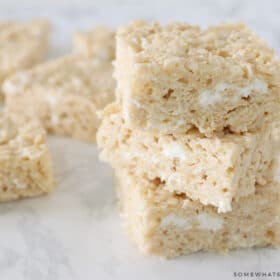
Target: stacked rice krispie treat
{"points": [[192, 138]]}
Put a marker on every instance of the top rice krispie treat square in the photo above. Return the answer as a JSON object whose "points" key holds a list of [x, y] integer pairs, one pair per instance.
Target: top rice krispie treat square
{"points": [[174, 77]]}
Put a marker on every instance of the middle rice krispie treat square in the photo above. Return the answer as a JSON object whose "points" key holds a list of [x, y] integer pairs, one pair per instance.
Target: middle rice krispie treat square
{"points": [[175, 77], [212, 170]]}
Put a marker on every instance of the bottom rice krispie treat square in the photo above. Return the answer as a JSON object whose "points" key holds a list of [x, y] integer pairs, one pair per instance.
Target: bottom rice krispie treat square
{"points": [[25, 162], [165, 224]]}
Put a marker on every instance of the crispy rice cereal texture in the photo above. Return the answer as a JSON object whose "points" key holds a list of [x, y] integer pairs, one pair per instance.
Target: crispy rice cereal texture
{"points": [[25, 162], [99, 42], [174, 77], [22, 45], [165, 224], [65, 94], [212, 170]]}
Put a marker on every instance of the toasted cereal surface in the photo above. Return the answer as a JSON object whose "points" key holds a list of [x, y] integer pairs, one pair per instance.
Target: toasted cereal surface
{"points": [[165, 224], [22, 45], [65, 94], [98, 42], [171, 78], [212, 170], [25, 162]]}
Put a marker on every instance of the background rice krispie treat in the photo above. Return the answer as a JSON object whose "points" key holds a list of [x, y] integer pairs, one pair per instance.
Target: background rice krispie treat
{"points": [[174, 77], [25, 162], [22, 45], [65, 94], [165, 224], [99, 42], [212, 170]]}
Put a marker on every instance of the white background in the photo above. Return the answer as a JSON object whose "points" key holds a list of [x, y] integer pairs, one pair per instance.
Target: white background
{"points": [[76, 233]]}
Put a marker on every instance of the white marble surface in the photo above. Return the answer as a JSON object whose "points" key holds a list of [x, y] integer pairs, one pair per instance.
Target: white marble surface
{"points": [[76, 233]]}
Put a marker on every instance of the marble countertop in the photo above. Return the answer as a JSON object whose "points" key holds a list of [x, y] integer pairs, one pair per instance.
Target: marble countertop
{"points": [[76, 232]]}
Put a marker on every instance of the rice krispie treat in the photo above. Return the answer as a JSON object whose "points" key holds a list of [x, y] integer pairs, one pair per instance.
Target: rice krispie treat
{"points": [[65, 94], [25, 162], [99, 42], [175, 77], [213, 170], [165, 224], [22, 45]]}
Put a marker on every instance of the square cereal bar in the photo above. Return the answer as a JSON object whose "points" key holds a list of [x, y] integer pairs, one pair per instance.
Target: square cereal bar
{"points": [[65, 94], [165, 224], [215, 170], [174, 77], [25, 162], [99, 42], [22, 45]]}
